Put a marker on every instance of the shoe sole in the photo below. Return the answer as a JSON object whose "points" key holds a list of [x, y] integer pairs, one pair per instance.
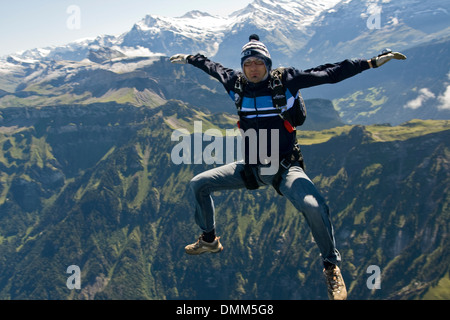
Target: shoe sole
{"points": [[198, 252]]}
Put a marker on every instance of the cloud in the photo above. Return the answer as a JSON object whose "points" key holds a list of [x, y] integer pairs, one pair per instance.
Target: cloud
{"points": [[424, 95], [444, 100]]}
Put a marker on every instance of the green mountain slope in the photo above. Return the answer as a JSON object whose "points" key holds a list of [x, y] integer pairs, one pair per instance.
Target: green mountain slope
{"points": [[97, 188]]}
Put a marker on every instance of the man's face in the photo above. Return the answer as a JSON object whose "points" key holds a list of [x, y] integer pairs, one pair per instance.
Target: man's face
{"points": [[255, 70]]}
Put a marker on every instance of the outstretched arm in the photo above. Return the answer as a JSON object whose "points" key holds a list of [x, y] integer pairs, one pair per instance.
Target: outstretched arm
{"points": [[336, 72], [214, 69]]}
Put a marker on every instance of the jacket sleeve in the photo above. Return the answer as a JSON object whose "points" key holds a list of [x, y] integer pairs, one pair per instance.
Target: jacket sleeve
{"points": [[327, 73], [225, 75]]}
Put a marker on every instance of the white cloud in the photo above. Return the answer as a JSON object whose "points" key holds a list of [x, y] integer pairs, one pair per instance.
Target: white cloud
{"points": [[424, 95], [444, 100]]}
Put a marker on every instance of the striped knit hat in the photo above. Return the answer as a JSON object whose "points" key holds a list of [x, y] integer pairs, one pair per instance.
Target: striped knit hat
{"points": [[256, 49]]}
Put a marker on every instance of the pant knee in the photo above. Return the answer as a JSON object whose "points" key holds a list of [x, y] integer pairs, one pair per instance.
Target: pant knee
{"points": [[311, 202], [315, 205], [198, 185]]}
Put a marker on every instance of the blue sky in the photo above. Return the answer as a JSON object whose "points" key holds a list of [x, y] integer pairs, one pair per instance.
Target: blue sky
{"points": [[27, 24]]}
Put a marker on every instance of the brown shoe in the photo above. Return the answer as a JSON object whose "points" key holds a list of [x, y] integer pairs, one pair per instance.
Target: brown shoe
{"points": [[335, 283], [201, 246]]}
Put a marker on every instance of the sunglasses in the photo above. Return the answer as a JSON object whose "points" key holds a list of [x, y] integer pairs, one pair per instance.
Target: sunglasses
{"points": [[257, 62]]}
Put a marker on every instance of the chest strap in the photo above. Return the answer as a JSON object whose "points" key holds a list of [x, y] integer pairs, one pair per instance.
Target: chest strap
{"points": [[279, 99]]}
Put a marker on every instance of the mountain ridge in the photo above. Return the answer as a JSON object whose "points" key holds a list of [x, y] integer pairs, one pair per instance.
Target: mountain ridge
{"points": [[124, 221]]}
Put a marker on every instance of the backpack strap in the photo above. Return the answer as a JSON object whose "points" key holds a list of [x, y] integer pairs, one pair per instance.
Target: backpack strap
{"points": [[279, 99], [278, 93], [239, 92]]}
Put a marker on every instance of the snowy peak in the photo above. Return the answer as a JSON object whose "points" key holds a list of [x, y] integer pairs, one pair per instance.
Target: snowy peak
{"points": [[195, 14], [195, 31], [199, 21], [298, 13]]}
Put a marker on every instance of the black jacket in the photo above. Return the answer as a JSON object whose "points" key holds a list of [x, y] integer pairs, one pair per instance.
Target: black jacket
{"points": [[259, 96]]}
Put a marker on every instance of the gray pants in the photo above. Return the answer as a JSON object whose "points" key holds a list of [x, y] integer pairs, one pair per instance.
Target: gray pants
{"points": [[295, 186]]}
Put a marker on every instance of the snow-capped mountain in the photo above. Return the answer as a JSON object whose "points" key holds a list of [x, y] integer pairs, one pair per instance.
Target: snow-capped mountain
{"points": [[271, 15], [281, 24], [329, 29], [302, 34], [284, 22], [363, 28], [196, 30]]}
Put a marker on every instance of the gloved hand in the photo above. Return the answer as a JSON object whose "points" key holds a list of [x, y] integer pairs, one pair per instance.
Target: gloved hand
{"points": [[180, 58], [386, 56]]}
